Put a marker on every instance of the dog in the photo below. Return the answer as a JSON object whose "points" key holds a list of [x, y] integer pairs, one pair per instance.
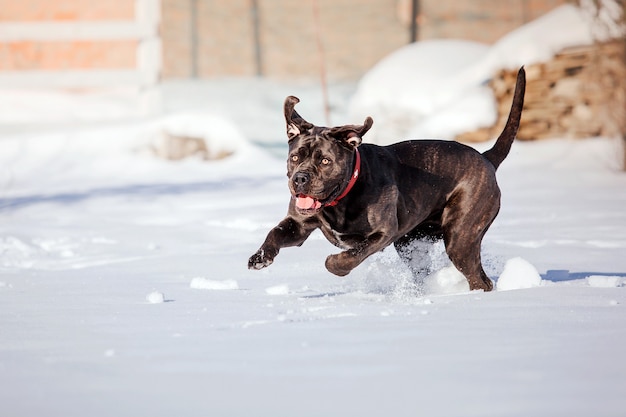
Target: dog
{"points": [[365, 197]]}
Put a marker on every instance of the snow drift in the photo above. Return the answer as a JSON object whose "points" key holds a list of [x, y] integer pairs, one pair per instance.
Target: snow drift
{"points": [[436, 89]]}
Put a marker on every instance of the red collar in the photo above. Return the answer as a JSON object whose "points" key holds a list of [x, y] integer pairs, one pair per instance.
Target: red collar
{"points": [[353, 178]]}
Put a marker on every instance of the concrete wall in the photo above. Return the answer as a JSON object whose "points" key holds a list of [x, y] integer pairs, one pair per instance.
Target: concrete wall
{"points": [[479, 20], [285, 45], [207, 38]]}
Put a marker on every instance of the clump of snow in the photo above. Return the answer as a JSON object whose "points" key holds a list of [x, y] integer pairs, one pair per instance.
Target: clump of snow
{"points": [[601, 281], [447, 280], [518, 274], [200, 283], [282, 289], [155, 297]]}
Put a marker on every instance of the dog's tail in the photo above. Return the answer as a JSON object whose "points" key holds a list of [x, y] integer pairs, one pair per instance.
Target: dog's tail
{"points": [[502, 147]]}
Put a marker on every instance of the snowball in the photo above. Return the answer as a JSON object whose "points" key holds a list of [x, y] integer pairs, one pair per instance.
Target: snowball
{"points": [[153, 246], [518, 273], [155, 297], [600, 281], [282, 289], [200, 283], [447, 280]]}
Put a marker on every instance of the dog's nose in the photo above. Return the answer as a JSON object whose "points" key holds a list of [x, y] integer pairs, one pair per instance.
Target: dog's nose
{"points": [[300, 179]]}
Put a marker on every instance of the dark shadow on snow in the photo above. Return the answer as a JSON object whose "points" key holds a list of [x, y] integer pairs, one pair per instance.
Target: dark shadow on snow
{"points": [[323, 295], [560, 275], [135, 190]]}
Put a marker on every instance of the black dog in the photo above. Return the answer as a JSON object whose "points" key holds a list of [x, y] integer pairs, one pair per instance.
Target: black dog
{"points": [[367, 197]]}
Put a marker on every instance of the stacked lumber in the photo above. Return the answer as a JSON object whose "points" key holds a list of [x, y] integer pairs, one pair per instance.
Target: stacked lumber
{"points": [[580, 93]]}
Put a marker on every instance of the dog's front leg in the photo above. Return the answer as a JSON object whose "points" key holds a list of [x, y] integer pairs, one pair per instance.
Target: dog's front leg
{"points": [[289, 232], [342, 263]]}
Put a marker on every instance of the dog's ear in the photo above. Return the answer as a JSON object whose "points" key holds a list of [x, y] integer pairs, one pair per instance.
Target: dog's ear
{"points": [[351, 134], [295, 123]]}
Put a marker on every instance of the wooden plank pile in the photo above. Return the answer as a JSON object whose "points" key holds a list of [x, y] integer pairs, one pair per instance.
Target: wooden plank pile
{"points": [[580, 93]]}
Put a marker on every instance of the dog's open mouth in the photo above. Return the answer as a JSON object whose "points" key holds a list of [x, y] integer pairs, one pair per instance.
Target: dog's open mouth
{"points": [[307, 204]]}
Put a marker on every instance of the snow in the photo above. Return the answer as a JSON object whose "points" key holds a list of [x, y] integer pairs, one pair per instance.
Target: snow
{"points": [[539, 40], [413, 91], [518, 274], [200, 283], [281, 289], [95, 227], [436, 89], [155, 297], [600, 281]]}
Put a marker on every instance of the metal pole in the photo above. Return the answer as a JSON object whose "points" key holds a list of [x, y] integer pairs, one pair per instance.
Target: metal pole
{"points": [[256, 34], [322, 56], [193, 28], [414, 14]]}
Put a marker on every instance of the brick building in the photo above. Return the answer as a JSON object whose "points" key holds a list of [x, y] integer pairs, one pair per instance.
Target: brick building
{"points": [[90, 43]]}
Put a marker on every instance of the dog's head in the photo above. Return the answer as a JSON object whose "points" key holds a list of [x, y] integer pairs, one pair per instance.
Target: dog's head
{"points": [[320, 159]]}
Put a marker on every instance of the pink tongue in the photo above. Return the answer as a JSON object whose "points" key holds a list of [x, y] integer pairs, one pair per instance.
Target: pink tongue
{"points": [[306, 202]]}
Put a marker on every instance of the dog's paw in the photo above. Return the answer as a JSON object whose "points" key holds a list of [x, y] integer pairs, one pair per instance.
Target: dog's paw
{"points": [[259, 260], [337, 264]]}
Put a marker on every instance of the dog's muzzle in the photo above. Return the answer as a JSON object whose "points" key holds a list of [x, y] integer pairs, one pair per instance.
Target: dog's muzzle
{"points": [[301, 187], [300, 182]]}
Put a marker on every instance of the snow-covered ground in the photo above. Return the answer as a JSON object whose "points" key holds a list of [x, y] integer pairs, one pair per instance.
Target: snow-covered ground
{"points": [[124, 287]]}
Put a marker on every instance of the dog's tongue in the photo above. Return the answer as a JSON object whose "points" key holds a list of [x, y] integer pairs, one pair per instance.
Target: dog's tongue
{"points": [[305, 202]]}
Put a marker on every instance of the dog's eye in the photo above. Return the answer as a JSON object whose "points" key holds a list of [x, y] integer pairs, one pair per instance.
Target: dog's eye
{"points": [[294, 158], [325, 161]]}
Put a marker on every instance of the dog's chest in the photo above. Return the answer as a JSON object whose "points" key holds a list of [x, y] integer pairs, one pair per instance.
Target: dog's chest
{"points": [[345, 232], [343, 240]]}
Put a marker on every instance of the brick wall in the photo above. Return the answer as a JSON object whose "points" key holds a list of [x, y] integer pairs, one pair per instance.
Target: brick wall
{"points": [[65, 10], [78, 43], [355, 34]]}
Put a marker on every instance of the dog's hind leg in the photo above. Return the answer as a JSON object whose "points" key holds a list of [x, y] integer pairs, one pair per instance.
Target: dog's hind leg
{"points": [[463, 238], [466, 258]]}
